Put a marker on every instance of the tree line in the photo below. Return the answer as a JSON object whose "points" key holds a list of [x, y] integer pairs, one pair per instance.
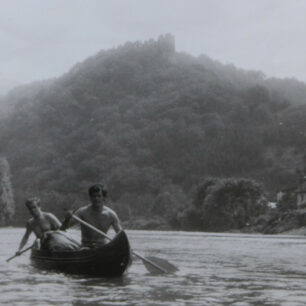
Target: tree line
{"points": [[151, 123]]}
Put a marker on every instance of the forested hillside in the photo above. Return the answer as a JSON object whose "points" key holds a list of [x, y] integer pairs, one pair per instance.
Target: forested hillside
{"points": [[151, 123], [7, 204]]}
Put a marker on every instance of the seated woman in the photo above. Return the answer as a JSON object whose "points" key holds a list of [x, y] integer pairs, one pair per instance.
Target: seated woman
{"points": [[45, 226]]}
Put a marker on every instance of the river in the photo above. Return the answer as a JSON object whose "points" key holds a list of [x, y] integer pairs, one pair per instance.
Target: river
{"points": [[214, 269]]}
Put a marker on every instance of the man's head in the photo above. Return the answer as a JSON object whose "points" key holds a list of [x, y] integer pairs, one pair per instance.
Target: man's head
{"points": [[97, 188], [97, 193], [33, 205]]}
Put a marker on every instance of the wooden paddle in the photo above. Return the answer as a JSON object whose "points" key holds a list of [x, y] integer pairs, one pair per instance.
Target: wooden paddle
{"points": [[25, 250], [153, 264]]}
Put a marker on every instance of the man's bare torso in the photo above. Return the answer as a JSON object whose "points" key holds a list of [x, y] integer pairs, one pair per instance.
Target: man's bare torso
{"points": [[102, 220]]}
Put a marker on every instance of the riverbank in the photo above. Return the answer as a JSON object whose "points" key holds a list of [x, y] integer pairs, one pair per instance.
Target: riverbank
{"points": [[297, 231], [274, 222]]}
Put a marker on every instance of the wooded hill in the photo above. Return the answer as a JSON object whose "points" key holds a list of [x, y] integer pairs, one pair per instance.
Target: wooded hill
{"points": [[151, 123]]}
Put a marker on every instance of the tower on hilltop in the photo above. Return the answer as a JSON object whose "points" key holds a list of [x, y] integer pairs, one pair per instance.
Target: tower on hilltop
{"points": [[167, 43]]}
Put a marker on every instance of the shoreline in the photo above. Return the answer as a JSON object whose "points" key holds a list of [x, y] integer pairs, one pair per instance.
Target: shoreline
{"points": [[296, 231], [301, 231]]}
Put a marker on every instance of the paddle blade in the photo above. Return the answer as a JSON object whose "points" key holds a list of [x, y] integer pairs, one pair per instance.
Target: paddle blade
{"points": [[164, 264]]}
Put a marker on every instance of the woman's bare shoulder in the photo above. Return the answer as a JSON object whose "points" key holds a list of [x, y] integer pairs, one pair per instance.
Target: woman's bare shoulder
{"points": [[30, 222]]}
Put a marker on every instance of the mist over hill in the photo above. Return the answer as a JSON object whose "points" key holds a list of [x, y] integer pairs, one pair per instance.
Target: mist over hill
{"points": [[151, 123], [6, 85]]}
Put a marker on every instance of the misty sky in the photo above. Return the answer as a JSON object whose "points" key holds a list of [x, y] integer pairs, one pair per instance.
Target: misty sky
{"points": [[44, 38]]}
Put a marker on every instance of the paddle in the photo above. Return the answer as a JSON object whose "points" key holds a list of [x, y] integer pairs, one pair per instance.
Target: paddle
{"points": [[29, 248], [153, 264]]}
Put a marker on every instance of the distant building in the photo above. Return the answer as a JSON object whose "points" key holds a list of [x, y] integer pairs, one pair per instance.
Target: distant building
{"points": [[167, 43], [272, 205], [287, 196], [279, 196], [293, 195], [301, 193]]}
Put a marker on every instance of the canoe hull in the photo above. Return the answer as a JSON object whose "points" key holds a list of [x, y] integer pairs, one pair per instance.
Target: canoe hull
{"points": [[109, 260]]}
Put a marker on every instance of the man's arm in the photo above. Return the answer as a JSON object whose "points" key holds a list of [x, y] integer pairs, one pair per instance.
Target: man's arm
{"points": [[25, 238], [116, 222], [69, 221]]}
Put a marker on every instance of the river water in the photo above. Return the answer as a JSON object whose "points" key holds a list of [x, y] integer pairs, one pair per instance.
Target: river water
{"points": [[214, 269]]}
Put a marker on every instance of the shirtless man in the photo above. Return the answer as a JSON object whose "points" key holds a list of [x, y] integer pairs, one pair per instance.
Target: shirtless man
{"points": [[40, 223], [96, 214]]}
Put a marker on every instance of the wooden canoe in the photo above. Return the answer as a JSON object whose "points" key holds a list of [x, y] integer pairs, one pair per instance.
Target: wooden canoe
{"points": [[109, 260]]}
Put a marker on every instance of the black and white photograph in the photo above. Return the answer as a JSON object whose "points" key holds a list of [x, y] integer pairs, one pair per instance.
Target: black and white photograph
{"points": [[153, 152]]}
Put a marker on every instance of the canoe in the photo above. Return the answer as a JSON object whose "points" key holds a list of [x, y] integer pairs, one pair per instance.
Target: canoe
{"points": [[109, 260]]}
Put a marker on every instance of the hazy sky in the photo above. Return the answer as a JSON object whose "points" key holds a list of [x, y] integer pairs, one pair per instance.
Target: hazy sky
{"points": [[45, 38]]}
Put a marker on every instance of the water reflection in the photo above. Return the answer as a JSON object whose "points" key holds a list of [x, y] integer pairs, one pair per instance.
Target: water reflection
{"points": [[125, 280]]}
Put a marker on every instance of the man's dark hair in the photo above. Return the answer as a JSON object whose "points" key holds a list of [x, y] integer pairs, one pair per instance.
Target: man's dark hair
{"points": [[96, 188], [32, 200]]}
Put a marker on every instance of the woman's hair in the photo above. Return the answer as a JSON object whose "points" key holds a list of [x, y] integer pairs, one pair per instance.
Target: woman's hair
{"points": [[33, 200]]}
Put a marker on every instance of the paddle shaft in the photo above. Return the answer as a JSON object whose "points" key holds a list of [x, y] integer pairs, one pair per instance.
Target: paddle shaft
{"points": [[107, 237], [29, 248]]}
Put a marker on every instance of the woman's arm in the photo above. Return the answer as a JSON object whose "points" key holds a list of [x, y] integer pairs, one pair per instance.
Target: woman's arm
{"points": [[55, 223], [25, 238]]}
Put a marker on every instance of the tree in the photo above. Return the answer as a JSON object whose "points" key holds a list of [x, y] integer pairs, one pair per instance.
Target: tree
{"points": [[7, 204], [221, 204], [232, 203]]}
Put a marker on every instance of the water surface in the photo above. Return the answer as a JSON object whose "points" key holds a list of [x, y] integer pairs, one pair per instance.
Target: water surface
{"points": [[215, 269]]}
